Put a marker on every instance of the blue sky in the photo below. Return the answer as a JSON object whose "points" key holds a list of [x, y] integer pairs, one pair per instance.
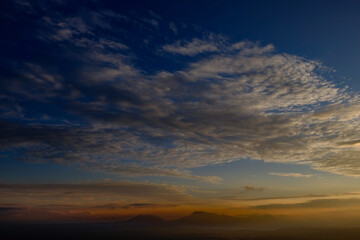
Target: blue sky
{"points": [[259, 98]]}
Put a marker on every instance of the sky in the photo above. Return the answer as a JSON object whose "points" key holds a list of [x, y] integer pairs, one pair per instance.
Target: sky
{"points": [[115, 108]]}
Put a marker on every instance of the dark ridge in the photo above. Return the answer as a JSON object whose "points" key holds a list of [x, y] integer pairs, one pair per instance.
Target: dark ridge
{"points": [[145, 220], [205, 218]]}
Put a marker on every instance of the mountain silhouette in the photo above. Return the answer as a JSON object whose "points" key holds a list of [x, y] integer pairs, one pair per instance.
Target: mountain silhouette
{"points": [[205, 218], [145, 220], [198, 218]]}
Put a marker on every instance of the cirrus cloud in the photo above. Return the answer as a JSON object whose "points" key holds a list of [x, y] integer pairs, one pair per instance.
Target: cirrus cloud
{"points": [[98, 106], [290, 174]]}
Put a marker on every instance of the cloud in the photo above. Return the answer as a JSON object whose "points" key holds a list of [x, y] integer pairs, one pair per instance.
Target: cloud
{"points": [[305, 196], [277, 93], [138, 170], [67, 29], [173, 27], [196, 46], [249, 188], [141, 205], [93, 192], [92, 101], [291, 174], [317, 203], [6, 209], [154, 15]]}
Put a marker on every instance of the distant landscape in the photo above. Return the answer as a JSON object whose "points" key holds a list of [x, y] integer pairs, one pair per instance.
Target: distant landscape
{"points": [[198, 225]]}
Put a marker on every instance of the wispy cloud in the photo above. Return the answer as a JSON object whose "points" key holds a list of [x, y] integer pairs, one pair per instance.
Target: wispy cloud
{"points": [[6, 209], [85, 193], [291, 174], [190, 48], [173, 27], [97, 106], [253, 188], [317, 203], [138, 170]]}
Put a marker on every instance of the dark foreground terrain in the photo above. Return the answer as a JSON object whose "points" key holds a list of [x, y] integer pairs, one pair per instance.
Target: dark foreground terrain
{"points": [[198, 225], [115, 231]]}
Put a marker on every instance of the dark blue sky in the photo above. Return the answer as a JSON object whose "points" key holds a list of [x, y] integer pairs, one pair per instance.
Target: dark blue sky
{"points": [[323, 30]]}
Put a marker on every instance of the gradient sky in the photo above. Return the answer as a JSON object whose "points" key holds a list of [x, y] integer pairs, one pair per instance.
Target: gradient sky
{"points": [[115, 108]]}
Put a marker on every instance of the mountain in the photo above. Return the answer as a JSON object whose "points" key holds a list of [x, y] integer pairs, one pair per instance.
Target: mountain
{"points": [[200, 219], [257, 217], [205, 218], [145, 220]]}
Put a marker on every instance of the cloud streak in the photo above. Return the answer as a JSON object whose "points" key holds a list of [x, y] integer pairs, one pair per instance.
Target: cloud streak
{"points": [[93, 192], [317, 203], [249, 188], [297, 175], [190, 48]]}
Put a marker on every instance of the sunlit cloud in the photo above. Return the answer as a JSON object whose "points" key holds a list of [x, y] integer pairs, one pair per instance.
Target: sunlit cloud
{"points": [[317, 203], [291, 175], [252, 188]]}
